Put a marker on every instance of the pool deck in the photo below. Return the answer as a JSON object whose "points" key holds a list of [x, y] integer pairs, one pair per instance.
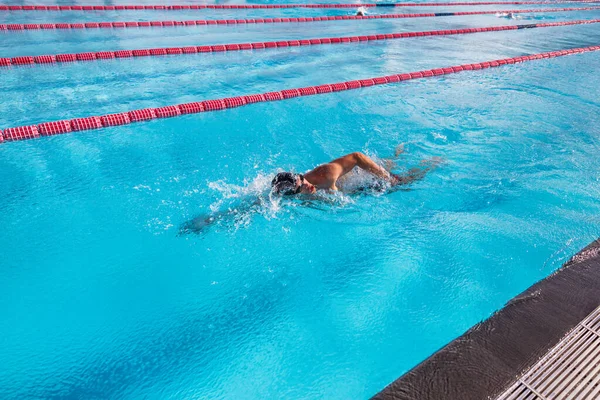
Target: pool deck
{"points": [[489, 358]]}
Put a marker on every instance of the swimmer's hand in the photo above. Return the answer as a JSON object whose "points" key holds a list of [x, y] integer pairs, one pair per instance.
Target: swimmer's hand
{"points": [[196, 225]]}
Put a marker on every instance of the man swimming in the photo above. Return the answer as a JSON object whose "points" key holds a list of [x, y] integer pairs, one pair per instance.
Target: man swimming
{"points": [[507, 15], [326, 176]]}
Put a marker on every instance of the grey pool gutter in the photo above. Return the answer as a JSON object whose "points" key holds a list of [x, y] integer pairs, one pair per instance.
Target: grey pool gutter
{"points": [[490, 356]]}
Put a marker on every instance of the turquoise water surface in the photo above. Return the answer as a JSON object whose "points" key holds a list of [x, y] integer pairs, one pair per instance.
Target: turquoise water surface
{"points": [[326, 298]]}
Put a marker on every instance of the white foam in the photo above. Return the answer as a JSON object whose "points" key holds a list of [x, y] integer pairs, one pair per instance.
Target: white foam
{"points": [[361, 11]]}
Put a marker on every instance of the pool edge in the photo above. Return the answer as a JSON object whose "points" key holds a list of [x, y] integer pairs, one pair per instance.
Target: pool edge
{"points": [[486, 359]]}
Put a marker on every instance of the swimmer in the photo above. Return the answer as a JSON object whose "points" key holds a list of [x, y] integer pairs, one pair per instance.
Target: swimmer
{"points": [[361, 12], [507, 15], [326, 176]]}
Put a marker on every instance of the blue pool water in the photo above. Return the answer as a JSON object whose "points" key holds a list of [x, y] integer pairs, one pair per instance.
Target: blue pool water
{"points": [[101, 298]]}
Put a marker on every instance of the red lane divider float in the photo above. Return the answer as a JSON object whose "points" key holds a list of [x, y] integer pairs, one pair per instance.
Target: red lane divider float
{"points": [[163, 7], [141, 24], [96, 122], [91, 56]]}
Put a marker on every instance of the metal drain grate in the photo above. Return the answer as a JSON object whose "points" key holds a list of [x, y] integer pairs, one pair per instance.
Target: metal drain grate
{"points": [[570, 370]]}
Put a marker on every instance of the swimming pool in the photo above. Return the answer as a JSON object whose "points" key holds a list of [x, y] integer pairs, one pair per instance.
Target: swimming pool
{"points": [[99, 295]]}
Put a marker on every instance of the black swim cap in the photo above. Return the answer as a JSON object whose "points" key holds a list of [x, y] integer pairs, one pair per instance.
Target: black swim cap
{"points": [[285, 183]]}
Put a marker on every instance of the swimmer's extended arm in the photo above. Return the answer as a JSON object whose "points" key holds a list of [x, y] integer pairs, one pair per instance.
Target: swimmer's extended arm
{"points": [[202, 222]]}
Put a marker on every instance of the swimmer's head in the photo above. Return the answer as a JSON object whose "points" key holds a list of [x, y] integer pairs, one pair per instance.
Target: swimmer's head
{"points": [[288, 183]]}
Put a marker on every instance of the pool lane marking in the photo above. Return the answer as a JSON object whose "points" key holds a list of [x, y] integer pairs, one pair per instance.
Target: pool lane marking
{"points": [[171, 7], [123, 118], [142, 24], [157, 52]]}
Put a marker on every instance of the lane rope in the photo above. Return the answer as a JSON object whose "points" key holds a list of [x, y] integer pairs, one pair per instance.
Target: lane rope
{"points": [[171, 7], [157, 52], [95, 25], [123, 118]]}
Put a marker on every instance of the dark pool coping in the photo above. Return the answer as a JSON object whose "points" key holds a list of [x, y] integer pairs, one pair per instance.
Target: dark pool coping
{"points": [[485, 360]]}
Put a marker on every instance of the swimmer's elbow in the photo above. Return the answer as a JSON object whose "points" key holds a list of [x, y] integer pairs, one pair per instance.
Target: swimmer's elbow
{"points": [[362, 160], [358, 156]]}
